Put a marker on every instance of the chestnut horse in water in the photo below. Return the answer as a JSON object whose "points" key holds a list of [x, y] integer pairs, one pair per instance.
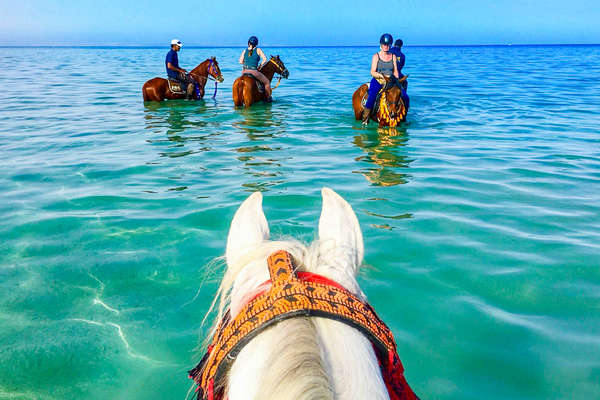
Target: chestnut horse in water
{"points": [[391, 109], [245, 88], [157, 89]]}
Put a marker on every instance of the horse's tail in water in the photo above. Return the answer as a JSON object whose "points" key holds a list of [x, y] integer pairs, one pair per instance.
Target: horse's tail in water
{"points": [[357, 101], [238, 92]]}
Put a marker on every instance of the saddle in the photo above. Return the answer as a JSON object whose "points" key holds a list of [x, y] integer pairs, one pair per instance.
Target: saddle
{"points": [[175, 86], [391, 83], [259, 85]]}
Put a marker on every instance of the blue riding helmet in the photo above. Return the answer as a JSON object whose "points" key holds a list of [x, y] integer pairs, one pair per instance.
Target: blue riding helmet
{"points": [[398, 43], [386, 38], [253, 41]]}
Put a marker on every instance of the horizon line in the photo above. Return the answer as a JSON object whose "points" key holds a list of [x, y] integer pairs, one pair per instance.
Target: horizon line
{"points": [[152, 46]]}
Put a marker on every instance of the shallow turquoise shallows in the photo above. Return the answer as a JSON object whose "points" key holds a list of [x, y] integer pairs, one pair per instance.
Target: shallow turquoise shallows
{"points": [[481, 215]]}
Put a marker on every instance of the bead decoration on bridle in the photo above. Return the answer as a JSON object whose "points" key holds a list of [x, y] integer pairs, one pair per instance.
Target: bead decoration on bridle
{"points": [[384, 110]]}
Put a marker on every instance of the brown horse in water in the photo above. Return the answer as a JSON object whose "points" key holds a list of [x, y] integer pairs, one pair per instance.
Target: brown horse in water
{"points": [[245, 88], [157, 89], [392, 108]]}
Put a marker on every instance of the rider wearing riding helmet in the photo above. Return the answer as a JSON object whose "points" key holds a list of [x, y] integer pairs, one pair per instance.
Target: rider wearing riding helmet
{"points": [[383, 64], [250, 58]]}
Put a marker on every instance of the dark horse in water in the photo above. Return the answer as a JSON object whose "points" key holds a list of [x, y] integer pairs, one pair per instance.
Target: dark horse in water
{"points": [[157, 89], [245, 88], [391, 106]]}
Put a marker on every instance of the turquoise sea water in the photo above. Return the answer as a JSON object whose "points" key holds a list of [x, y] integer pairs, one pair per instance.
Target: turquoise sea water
{"points": [[481, 215]]}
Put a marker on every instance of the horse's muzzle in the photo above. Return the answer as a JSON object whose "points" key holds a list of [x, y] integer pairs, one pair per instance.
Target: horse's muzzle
{"points": [[220, 78], [285, 73]]}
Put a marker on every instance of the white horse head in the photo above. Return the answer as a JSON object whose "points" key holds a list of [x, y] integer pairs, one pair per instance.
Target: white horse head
{"points": [[303, 357]]}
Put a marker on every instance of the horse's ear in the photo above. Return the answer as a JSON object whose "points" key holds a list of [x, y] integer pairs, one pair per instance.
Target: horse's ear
{"points": [[338, 227], [249, 228]]}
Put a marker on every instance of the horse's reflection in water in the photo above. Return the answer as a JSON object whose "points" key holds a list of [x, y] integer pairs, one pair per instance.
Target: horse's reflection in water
{"points": [[260, 156], [181, 126], [387, 167]]}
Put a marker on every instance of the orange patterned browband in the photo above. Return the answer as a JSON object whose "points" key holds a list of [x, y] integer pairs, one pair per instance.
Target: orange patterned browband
{"points": [[290, 295]]}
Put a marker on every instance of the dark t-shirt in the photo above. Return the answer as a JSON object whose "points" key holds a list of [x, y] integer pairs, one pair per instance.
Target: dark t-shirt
{"points": [[400, 59], [172, 58]]}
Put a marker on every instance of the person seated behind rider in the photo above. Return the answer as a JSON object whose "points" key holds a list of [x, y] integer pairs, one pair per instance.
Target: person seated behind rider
{"points": [[250, 58], [383, 64], [397, 51], [401, 58], [175, 72]]}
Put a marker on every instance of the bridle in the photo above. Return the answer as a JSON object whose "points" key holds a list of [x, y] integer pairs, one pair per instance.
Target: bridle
{"points": [[384, 106], [279, 71], [211, 73], [289, 294]]}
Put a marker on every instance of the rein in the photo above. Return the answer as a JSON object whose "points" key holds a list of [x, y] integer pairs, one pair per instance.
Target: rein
{"points": [[278, 73]]}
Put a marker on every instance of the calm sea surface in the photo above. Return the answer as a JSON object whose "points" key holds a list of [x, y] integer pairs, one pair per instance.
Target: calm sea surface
{"points": [[481, 215]]}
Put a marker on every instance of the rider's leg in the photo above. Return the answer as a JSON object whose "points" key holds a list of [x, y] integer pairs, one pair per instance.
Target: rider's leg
{"points": [[188, 84], [190, 90], [374, 88], [265, 82], [263, 79]]}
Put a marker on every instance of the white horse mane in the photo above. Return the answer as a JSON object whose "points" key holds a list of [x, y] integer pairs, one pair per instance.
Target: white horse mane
{"points": [[299, 358]]}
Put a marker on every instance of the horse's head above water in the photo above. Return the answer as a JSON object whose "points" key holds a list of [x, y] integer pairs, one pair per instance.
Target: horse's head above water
{"points": [[305, 357], [214, 70], [392, 109], [207, 68], [275, 66]]}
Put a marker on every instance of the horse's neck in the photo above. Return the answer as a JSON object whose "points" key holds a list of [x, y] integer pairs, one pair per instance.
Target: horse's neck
{"points": [[268, 70], [283, 362], [201, 71]]}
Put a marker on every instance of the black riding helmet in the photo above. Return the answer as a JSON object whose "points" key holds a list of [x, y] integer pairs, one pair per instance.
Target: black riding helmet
{"points": [[398, 43], [386, 38], [253, 41]]}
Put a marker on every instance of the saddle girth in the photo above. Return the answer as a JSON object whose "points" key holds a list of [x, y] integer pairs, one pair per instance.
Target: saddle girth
{"points": [[293, 294]]}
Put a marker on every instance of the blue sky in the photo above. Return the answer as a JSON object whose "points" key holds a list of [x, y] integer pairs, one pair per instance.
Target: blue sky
{"points": [[280, 22]]}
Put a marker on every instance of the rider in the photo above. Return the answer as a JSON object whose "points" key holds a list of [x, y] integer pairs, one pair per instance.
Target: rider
{"points": [[397, 51], [250, 58], [383, 64], [175, 72]]}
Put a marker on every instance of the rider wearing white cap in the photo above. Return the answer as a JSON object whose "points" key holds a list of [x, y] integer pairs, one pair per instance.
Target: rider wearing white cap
{"points": [[177, 73]]}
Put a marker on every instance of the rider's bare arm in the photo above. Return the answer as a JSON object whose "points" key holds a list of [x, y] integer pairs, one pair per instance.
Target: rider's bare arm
{"points": [[374, 72], [241, 60], [395, 60], [170, 66], [262, 56]]}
